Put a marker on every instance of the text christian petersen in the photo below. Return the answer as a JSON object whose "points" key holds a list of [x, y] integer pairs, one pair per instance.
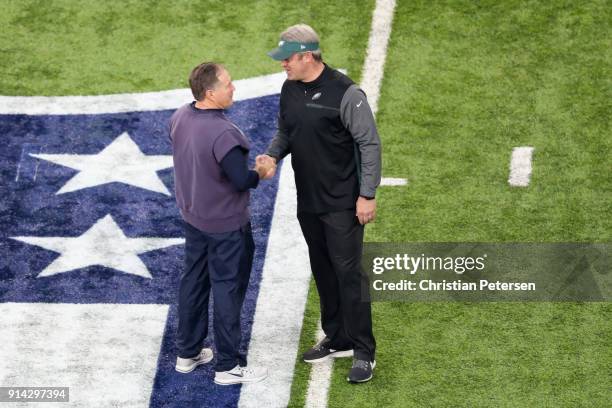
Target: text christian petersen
{"points": [[459, 265]]}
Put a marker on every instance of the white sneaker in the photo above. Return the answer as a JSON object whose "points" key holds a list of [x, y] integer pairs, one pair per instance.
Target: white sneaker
{"points": [[187, 365], [238, 375]]}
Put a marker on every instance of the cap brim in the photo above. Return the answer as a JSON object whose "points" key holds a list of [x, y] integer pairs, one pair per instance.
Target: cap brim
{"points": [[279, 54]]}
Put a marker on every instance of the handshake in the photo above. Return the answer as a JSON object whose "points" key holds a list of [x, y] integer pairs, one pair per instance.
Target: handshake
{"points": [[265, 166]]}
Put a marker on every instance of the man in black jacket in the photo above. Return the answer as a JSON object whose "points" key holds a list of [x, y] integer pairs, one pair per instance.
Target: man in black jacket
{"points": [[326, 124]]}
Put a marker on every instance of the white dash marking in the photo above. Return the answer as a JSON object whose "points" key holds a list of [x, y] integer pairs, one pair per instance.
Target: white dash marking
{"points": [[390, 181], [36, 169], [18, 170], [520, 166]]}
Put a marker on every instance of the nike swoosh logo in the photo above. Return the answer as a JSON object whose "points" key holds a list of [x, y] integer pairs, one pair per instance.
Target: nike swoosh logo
{"points": [[235, 375], [359, 104]]}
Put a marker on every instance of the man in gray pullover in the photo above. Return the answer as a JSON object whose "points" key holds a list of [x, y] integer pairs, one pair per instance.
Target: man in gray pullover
{"points": [[212, 183]]}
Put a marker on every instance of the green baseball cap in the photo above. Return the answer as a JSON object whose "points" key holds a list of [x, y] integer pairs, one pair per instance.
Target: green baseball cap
{"points": [[286, 49]]}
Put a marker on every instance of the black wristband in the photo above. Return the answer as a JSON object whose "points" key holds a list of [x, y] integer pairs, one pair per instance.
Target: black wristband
{"points": [[367, 198]]}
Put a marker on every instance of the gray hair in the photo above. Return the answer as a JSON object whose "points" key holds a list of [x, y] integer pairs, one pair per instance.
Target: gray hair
{"points": [[305, 34], [204, 77]]}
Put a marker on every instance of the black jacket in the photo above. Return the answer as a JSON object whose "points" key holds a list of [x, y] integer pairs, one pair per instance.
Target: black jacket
{"points": [[328, 127]]}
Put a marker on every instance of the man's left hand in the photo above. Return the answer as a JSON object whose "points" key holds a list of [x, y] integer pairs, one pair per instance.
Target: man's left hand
{"points": [[366, 210]]}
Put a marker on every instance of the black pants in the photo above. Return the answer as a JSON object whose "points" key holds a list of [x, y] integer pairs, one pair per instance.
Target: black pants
{"points": [[221, 261], [335, 246]]}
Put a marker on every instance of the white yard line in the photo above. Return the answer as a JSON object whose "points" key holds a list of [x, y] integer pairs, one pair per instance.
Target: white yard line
{"points": [[130, 102], [520, 166], [280, 303], [374, 65], [382, 18], [320, 375]]}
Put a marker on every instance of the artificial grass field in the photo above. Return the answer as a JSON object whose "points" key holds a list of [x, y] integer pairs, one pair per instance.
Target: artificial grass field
{"points": [[463, 85], [68, 47], [465, 82]]}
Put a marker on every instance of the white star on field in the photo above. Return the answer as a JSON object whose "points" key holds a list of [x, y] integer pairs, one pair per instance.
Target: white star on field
{"points": [[103, 244], [121, 161]]}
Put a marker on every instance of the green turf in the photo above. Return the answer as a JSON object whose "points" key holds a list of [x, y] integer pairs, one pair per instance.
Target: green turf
{"points": [[485, 355], [91, 47], [465, 82]]}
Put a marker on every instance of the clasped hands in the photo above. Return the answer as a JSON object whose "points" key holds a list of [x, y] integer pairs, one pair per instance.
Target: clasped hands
{"points": [[265, 166]]}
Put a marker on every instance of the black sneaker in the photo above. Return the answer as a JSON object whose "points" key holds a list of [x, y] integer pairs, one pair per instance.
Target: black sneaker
{"points": [[321, 352], [361, 371]]}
